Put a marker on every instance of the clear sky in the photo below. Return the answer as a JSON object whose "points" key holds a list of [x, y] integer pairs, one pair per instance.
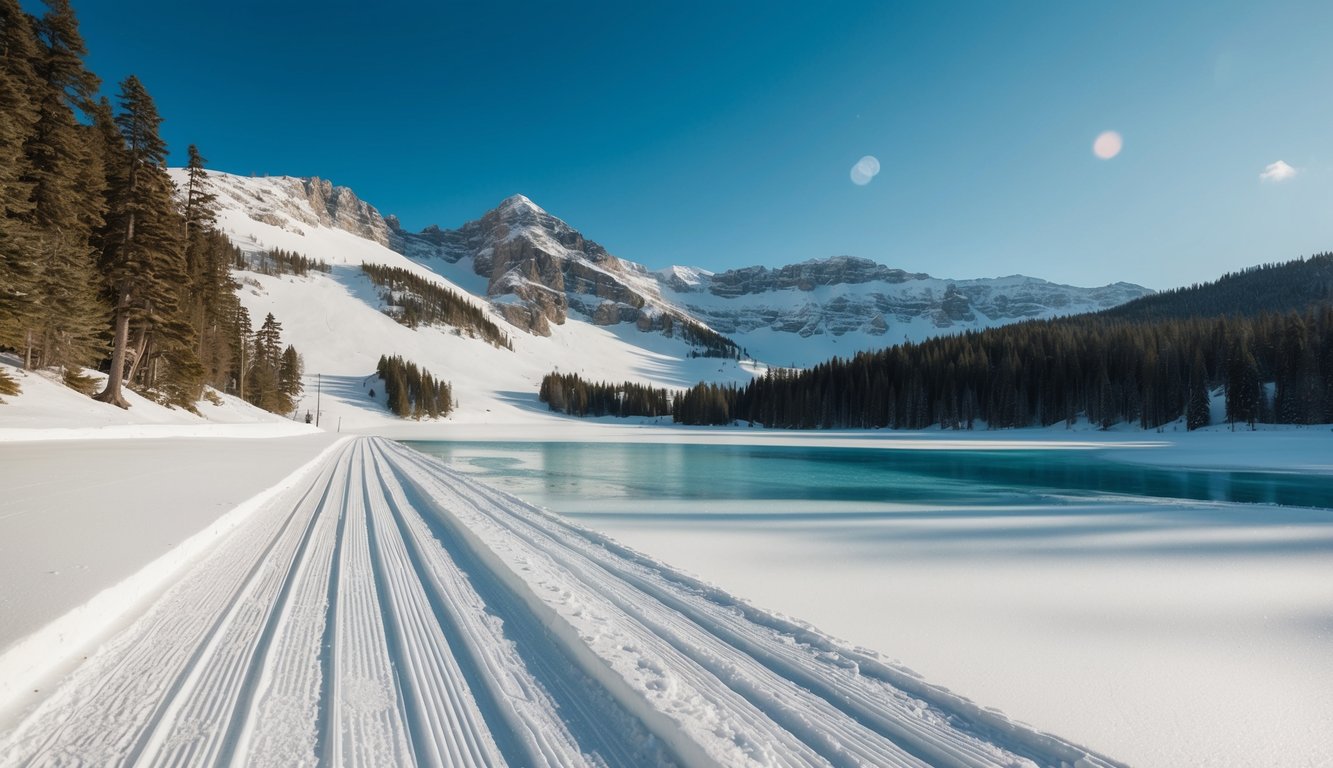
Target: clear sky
{"points": [[726, 134]]}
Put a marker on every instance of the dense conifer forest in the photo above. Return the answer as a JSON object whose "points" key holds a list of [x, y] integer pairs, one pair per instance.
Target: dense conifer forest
{"points": [[568, 393], [1048, 372], [416, 301], [412, 392], [103, 262], [1295, 285]]}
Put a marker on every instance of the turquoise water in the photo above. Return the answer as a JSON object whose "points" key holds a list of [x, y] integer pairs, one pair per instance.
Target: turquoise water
{"points": [[711, 480]]}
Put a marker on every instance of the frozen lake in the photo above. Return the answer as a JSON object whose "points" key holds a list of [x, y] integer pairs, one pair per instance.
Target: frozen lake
{"points": [[1165, 617]]}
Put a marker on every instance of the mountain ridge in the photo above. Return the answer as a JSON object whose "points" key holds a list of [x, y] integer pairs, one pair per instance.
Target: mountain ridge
{"points": [[536, 271]]}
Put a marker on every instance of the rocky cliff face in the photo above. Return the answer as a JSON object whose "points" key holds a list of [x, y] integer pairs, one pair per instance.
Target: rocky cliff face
{"points": [[845, 296], [537, 267], [339, 207], [806, 276], [295, 204]]}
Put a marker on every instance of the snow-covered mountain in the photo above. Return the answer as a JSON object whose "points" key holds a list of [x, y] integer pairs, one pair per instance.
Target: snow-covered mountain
{"points": [[843, 304], [538, 270], [572, 306]]}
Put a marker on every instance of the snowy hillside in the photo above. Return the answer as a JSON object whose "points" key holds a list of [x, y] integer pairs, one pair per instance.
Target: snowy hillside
{"points": [[337, 323], [569, 305]]}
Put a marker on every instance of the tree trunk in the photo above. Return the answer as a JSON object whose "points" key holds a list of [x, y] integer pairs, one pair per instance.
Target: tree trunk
{"points": [[120, 340], [141, 351]]}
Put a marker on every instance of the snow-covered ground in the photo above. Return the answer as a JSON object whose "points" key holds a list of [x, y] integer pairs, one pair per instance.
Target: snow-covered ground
{"points": [[382, 610], [46, 409], [1166, 634]]}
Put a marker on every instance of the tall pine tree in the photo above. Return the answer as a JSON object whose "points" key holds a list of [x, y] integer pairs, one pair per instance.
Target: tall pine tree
{"points": [[69, 318], [18, 117], [144, 263]]}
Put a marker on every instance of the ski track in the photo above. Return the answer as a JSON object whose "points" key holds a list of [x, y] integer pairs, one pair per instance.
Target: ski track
{"points": [[390, 611]]}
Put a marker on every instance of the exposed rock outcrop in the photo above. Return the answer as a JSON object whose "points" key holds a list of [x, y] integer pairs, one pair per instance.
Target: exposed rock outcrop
{"points": [[537, 267], [339, 207]]}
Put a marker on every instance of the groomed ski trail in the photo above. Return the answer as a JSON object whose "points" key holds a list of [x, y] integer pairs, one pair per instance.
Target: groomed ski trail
{"points": [[390, 611]]}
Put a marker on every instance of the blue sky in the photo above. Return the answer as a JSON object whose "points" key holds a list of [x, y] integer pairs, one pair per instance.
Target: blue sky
{"points": [[723, 134]]}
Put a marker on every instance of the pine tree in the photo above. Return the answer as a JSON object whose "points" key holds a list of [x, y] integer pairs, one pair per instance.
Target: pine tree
{"points": [[266, 386], [143, 260], [70, 317], [1244, 395], [289, 375], [239, 329], [18, 118], [1197, 412], [198, 218]]}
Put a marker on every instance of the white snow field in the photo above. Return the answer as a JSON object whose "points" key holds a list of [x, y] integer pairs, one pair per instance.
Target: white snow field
{"points": [[382, 609]]}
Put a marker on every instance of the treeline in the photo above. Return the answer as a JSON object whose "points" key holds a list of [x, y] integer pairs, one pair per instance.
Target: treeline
{"points": [[1048, 372], [278, 262], [704, 403], [416, 301], [413, 393], [103, 262], [700, 336], [1287, 287], [570, 394], [1273, 368]]}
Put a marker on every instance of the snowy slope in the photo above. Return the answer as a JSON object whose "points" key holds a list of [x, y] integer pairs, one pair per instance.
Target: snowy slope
{"points": [[335, 321], [386, 611], [46, 409]]}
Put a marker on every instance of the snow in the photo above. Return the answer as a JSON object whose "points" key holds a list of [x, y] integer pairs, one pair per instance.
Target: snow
{"points": [[202, 575], [1169, 635], [423, 651], [86, 527], [46, 409]]}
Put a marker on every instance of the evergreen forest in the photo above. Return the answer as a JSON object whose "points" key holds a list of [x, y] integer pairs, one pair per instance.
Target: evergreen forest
{"points": [[412, 392], [415, 301], [104, 263], [568, 393]]}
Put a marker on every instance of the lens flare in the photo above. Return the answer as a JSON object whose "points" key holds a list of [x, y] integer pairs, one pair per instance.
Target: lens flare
{"points": [[1107, 145], [865, 169]]}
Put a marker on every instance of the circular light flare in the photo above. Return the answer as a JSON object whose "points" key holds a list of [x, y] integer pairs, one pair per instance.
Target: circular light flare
{"points": [[1107, 145], [865, 169]]}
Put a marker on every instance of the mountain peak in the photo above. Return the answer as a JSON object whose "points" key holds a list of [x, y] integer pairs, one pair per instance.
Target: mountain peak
{"points": [[519, 202]]}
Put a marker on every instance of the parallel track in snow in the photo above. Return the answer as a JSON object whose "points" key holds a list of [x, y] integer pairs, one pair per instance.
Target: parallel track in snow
{"points": [[393, 612]]}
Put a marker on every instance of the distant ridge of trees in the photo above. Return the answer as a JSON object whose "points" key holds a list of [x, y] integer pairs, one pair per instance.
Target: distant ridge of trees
{"points": [[412, 392], [1041, 373], [416, 301], [1290, 286], [278, 262], [103, 261]]}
